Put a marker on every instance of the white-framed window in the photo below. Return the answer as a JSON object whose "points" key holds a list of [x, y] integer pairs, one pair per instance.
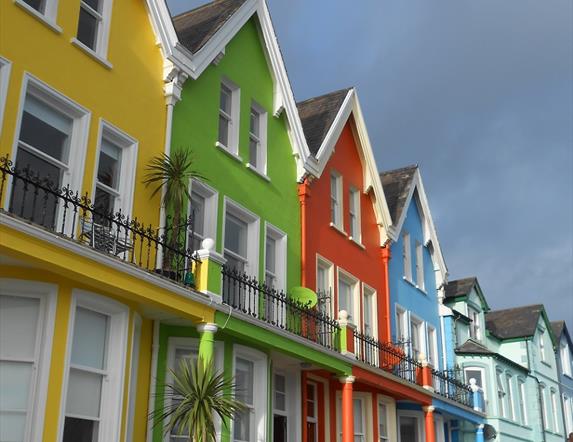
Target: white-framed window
{"points": [[228, 137], [258, 139], [94, 369], [354, 213], [383, 422], [49, 125], [5, 67], [475, 324], [280, 410], [115, 172], [369, 311], [312, 411], [510, 405], [275, 257], [93, 25], [348, 295], [203, 210], [417, 336], [133, 372], [568, 409], [556, 413], [420, 266], [286, 406], [241, 238], [27, 316], [46, 10], [522, 396], [544, 406], [501, 393], [432, 346], [542, 346], [250, 425], [324, 284], [402, 334], [336, 205], [407, 256], [477, 373], [361, 417], [410, 427], [360, 428], [565, 356]]}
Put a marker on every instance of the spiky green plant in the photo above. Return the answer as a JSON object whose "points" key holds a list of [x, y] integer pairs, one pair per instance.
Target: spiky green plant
{"points": [[197, 394]]}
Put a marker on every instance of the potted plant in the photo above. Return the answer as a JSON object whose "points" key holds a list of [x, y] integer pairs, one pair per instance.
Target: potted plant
{"points": [[195, 396], [171, 174]]}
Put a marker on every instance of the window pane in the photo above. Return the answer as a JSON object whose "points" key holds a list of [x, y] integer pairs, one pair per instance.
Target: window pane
{"points": [[87, 29], [94, 4], [242, 424], [19, 318], [225, 100], [109, 164], [236, 235], [253, 152], [408, 429], [15, 379], [44, 137], [234, 263], [382, 425], [38, 5], [182, 354], [223, 131], [244, 373], [344, 294], [90, 339], [12, 426], [358, 427], [254, 122], [368, 301], [103, 202], [198, 211], [80, 430], [280, 392], [84, 393], [271, 251]]}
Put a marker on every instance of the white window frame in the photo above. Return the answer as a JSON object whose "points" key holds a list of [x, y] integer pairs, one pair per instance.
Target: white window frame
{"points": [[129, 150], [307, 418], [336, 200], [367, 420], [347, 277], [541, 343], [419, 422], [260, 395], [112, 391], [432, 350], [5, 68], [402, 314], [47, 294], [475, 324], [292, 401], [374, 316], [568, 410], [253, 233], [521, 397], [355, 221], [421, 334], [328, 266], [501, 393], [133, 373], [261, 139], [544, 408], [47, 16], [407, 255], [281, 239], [102, 32], [565, 355], [73, 170], [555, 408], [420, 282], [390, 417], [510, 396], [211, 197], [233, 118]]}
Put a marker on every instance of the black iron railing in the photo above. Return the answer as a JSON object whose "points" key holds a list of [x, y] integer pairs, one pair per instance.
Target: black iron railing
{"points": [[387, 356], [67, 213], [446, 384], [256, 299]]}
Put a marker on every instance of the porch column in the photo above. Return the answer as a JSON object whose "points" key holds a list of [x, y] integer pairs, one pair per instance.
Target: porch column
{"points": [[207, 341], [347, 409], [208, 277], [430, 424], [479, 433]]}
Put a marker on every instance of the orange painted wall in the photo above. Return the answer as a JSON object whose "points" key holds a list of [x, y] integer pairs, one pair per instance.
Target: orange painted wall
{"points": [[320, 238]]}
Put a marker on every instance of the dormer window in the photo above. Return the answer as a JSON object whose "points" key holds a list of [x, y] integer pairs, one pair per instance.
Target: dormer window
{"points": [[229, 118], [475, 325]]}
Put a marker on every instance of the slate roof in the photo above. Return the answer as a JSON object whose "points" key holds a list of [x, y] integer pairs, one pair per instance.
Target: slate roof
{"points": [[516, 322], [460, 287], [396, 184], [557, 327], [472, 347], [196, 27], [317, 115]]}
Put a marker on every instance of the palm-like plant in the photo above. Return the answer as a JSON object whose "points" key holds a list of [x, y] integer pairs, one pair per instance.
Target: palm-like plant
{"points": [[171, 175], [195, 396]]}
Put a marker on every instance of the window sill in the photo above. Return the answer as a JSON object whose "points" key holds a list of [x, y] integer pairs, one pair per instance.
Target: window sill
{"points": [[357, 243], [338, 229], [547, 364], [258, 172], [416, 286], [39, 16], [78, 44], [225, 149]]}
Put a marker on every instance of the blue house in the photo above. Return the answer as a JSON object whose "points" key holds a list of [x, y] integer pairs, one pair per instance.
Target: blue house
{"points": [[564, 356], [417, 276]]}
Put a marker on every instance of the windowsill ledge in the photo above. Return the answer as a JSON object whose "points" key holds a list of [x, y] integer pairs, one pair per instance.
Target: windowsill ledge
{"points": [[258, 172], [226, 150], [357, 243], [90, 52], [547, 364], [416, 286], [50, 23], [338, 229]]}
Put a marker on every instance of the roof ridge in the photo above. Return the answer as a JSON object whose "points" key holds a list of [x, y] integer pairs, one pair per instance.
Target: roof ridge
{"points": [[517, 308], [317, 97], [206, 5], [400, 169]]}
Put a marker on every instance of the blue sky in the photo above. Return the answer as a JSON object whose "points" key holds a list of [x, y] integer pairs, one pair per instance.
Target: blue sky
{"points": [[480, 95]]}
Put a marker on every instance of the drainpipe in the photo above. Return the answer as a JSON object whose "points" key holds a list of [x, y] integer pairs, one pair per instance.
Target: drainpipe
{"points": [[303, 195], [386, 255], [539, 400]]}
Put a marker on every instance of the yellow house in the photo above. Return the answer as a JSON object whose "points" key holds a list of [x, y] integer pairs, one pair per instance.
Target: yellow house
{"points": [[85, 101]]}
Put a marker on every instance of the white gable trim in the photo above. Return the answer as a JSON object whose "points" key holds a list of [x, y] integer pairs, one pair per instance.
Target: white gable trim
{"points": [[349, 106], [193, 65]]}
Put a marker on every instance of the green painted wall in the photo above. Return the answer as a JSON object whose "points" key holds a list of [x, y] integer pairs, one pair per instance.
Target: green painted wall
{"points": [[195, 126]]}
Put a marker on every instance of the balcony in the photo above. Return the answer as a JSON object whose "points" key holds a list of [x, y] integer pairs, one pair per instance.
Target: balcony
{"points": [[66, 213]]}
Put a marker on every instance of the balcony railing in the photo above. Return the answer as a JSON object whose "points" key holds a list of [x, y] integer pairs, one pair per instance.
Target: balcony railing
{"points": [[63, 211], [447, 385], [256, 299]]}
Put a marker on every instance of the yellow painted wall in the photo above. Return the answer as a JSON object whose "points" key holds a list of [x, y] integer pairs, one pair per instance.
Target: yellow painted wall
{"points": [[129, 95]]}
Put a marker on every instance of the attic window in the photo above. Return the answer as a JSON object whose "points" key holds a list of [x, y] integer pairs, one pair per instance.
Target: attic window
{"points": [[228, 135]]}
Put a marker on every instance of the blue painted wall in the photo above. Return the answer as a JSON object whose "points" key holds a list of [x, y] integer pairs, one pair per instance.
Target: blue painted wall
{"points": [[450, 338], [565, 382]]}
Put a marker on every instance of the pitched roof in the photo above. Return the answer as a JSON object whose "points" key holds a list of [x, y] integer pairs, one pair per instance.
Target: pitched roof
{"points": [[460, 287], [317, 116], [473, 347], [195, 28], [557, 327], [518, 322], [396, 184]]}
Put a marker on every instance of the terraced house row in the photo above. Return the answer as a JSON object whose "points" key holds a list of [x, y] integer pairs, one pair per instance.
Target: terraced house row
{"points": [[312, 279]]}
